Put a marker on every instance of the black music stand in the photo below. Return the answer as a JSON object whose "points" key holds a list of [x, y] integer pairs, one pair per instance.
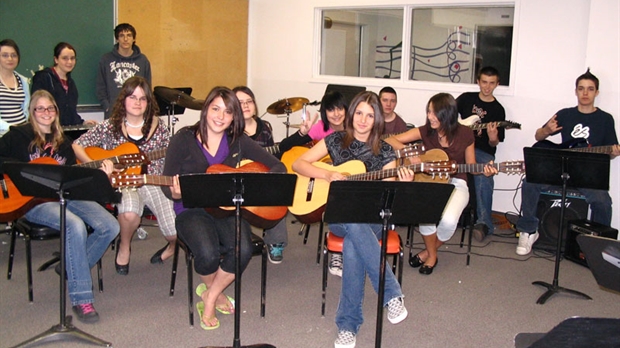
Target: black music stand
{"points": [[567, 169], [386, 202], [237, 189], [63, 182]]}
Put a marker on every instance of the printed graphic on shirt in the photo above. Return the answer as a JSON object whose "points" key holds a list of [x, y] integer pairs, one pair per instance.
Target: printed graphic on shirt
{"points": [[476, 110], [123, 71], [579, 131]]}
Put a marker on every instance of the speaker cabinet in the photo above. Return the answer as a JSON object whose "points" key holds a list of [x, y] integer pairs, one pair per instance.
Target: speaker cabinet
{"points": [[576, 227], [548, 213]]}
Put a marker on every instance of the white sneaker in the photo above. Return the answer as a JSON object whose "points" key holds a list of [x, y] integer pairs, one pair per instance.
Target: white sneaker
{"points": [[526, 240], [396, 310], [335, 264], [346, 339]]}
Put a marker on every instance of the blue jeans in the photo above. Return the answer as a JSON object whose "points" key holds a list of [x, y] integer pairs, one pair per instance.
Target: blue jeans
{"points": [[82, 251], [599, 201], [484, 192], [361, 254]]}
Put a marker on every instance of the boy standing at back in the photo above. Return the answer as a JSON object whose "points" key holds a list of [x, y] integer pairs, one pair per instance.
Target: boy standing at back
{"points": [[484, 105], [115, 67], [394, 124]]}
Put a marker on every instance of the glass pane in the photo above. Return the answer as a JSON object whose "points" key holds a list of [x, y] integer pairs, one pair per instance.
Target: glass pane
{"points": [[452, 44], [362, 42]]}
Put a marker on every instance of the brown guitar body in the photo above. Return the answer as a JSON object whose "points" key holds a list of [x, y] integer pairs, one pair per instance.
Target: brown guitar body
{"points": [[97, 153]]}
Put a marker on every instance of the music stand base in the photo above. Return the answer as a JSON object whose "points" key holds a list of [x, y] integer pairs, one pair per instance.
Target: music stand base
{"points": [[64, 332], [259, 345], [554, 289]]}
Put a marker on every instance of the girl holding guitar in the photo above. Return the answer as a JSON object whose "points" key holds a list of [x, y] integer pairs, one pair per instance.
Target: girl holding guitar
{"points": [[134, 120], [42, 137], [218, 138], [360, 140], [442, 131]]}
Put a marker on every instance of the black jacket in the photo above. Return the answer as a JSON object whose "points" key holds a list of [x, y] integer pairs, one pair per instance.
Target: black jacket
{"points": [[67, 101]]}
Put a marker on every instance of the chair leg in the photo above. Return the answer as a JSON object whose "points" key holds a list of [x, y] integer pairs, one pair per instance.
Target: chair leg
{"points": [[263, 282], [189, 261], [462, 222], [324, 282], [471, 231], [305, 229], [55, 258], [9, 270], [29, 268], [99, 276], [319, 243], [173, 276]]}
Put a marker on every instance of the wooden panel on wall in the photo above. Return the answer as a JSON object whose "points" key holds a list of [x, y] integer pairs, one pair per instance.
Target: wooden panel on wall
{"points": [[198, 44]]}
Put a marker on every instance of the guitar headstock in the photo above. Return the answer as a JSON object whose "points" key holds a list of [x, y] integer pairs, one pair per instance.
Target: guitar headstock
{"points": [[510, 124], [133, 159], [512, 167], [411, 150], [119, 180]]}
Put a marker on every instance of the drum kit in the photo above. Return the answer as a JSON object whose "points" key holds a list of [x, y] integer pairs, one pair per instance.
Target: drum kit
{"points": [[177, 97], [287, 106]]}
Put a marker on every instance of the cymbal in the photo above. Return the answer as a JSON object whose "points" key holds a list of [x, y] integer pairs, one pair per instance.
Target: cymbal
{"points": [[287, 105], [178, 97]]}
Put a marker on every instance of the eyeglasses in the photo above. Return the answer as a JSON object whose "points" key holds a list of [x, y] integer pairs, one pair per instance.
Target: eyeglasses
{"points": [[42, 109], [136, 99], [7, 55], [246, 102]]}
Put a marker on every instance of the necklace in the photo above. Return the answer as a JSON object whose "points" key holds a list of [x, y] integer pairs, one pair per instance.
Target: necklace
{"points": [[134, 126]]}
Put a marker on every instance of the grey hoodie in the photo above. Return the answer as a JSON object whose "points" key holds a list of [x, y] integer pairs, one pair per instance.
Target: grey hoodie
{"points": [[114, 70]]}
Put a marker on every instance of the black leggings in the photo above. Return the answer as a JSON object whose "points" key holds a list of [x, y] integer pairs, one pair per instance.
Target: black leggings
{"points": [[212, 240]]}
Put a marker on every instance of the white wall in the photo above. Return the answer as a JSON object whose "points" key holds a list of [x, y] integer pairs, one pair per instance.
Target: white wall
{"points": [[555, 41]]}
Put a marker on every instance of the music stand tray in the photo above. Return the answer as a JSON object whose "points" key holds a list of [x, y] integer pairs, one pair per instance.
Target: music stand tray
{"points": [[63, 182], [237, 189], [386, 202], [567, 169]]}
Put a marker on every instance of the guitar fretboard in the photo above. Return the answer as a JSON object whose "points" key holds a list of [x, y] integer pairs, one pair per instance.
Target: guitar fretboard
{"points": [[606, 149], [429, 168], [505, 124]]}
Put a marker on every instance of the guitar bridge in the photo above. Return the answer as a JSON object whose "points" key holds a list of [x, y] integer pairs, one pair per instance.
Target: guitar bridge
{"points": [[310, 190]]}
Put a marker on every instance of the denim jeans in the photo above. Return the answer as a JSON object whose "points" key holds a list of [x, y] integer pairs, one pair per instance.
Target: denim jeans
{"points": [[361, 254], [599, 201], [484, 192], [82, 251]]}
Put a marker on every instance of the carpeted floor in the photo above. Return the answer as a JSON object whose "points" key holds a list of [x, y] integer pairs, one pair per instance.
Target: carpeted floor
{"points": [[485, 304]]}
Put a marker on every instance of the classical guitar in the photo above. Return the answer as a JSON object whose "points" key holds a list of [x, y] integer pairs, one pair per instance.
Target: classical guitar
{"points": [[579, 145], [473, 122], [13, 204], [262, 217], [294, 153], [311, 193], [509, 167]]}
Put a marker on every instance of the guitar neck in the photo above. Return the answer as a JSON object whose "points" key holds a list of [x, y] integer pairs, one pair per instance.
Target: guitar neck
{"points": [[474, 167], [505, 124], [156, 154], [429, 168], [273, 149], [606, 149]]}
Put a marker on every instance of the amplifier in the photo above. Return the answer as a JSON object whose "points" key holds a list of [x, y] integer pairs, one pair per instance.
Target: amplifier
{"points": [[548, 213], [575, 227]]}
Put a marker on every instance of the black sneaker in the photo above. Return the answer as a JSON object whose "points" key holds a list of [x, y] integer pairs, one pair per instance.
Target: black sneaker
{"points": [[86, 313], [480, 231], [275, 253]]}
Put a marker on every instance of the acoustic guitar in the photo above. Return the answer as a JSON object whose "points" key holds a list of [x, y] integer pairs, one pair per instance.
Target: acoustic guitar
{"points": [[13, 204], [262, 217], [120, 153], [311, 193], [509, 167]]}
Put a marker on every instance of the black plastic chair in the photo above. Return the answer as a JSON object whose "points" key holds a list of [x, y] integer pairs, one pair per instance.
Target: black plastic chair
{"points": [[32, 231], [259, 248]]}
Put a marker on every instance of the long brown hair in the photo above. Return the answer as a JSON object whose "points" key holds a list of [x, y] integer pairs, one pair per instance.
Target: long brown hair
{"points": [[235, 130], [374, 139], [119, 112], [444, 106], [39, 137]]}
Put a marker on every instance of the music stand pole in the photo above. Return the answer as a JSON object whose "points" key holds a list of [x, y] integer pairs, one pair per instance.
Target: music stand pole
{"points": [[554, 287], [48, 181]]}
